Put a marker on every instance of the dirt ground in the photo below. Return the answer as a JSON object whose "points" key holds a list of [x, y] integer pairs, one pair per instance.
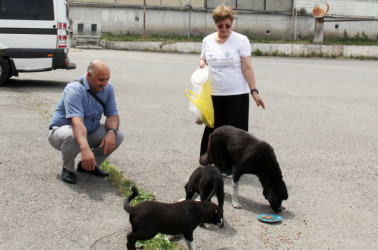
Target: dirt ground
{"points": [[321, 119]]}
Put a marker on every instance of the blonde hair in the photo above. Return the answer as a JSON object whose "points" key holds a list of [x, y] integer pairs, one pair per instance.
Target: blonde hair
{"points": [[222, 12]]}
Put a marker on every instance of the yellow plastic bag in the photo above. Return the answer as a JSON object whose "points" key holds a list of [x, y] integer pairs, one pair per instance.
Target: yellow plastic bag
{"points": [[204, 103]]}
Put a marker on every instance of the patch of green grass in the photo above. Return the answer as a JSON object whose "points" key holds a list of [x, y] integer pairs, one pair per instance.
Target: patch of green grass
{"points": [[257, 53], [118, 180], [365, 58], [160, 242], [151, 38], [280, 41], [358, 39]]}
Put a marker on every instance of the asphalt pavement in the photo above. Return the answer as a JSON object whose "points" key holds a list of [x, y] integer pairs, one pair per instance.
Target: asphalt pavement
{"points": [[321, 118]]}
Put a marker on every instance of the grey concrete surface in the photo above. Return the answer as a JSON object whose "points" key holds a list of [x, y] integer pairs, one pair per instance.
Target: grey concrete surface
{"points": [[321, 118]]}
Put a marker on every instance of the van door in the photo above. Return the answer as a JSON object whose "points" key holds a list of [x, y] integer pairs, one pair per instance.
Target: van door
{"points": [[30, 37], [28, 24]]}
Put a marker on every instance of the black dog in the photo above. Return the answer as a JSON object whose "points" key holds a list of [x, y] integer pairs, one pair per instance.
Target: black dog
{"points": [[151, 217], [206, 181], [230, 147]]}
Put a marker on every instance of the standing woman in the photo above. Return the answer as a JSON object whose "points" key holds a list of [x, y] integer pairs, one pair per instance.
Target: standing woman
{"points": [[232, 79]]}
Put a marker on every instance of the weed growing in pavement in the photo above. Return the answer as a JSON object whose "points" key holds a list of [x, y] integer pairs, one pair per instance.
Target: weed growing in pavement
{"points": [[160, 242], [118, 180]]}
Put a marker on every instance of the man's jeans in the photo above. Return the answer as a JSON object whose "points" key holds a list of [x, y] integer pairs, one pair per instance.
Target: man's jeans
{"points": [[63, 139]]}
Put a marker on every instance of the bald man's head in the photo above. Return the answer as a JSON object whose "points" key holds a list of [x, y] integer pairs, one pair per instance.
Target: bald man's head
{"points": [[98, 75]]}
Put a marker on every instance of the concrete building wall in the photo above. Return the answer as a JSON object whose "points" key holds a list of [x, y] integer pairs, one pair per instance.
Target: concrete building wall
{"points": [[274, 5], [251, 5], [255, 5], [211, 4], [123, 20]]}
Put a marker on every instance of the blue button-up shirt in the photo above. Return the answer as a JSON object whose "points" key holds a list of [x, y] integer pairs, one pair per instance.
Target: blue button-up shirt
{"points": [[76, 101]]}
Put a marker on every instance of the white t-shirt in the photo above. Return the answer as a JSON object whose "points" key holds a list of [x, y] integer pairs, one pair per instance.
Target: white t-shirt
{"points": [[226, 76]]}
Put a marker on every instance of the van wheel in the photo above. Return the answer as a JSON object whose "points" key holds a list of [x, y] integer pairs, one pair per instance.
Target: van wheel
{"points": [[4, 71]]}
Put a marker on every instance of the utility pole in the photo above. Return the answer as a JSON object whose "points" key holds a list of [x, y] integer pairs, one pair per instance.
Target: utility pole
{"points": [[144, 20], [190, 18]]}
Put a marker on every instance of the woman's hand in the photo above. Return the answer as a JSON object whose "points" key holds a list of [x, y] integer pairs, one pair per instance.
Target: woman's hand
{"points": [[259, 101], [202, 63]]}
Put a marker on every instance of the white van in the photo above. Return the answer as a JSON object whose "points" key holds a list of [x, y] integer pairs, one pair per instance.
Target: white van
{"points": [[34, 36]]}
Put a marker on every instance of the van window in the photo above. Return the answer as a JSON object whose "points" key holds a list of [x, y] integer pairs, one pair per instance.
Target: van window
{"points": [[27, 9]]}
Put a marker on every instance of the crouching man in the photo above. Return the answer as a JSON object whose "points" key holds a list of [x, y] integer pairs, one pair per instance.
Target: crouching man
{"points": [[75, 126]]}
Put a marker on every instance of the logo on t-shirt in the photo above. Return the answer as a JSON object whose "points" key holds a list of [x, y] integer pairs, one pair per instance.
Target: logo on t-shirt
{"points": [[227, 54]]}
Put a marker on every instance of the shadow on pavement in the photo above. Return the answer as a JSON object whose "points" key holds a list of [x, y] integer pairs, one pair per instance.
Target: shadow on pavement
{"points": [[17, 84], [259, 208], [94, 187], [245, 180]]}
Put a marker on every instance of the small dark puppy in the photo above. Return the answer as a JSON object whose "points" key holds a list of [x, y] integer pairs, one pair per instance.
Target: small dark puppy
{"points": [[151, 217], [206, 181], [230, 147]]}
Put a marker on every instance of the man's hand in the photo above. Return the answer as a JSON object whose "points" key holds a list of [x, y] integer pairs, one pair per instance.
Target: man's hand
{"points": [[109, 141], [87, 157], [88, 160]]}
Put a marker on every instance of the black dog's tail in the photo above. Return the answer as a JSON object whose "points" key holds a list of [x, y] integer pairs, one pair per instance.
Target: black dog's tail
{"points": [[127, 205], [206, 159], [211, 194]]}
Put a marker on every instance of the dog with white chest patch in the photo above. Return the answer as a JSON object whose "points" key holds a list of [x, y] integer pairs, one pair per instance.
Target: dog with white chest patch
{"points": [[151, 217], [230, 147], [206, 182]]}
